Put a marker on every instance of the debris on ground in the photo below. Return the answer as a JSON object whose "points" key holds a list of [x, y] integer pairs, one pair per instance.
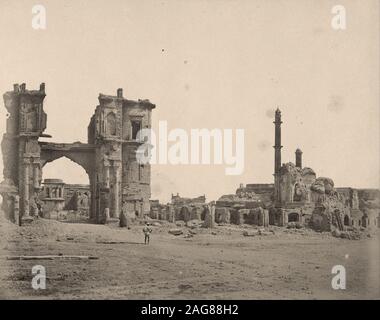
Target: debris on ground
{"points": [[351, 234], [176, 232], [180, 223], [251, 233], [194, 223], [123, 223], [294, 225]]}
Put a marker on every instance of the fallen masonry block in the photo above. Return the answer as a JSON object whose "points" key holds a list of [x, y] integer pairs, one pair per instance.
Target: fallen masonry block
{"points": [[265, 233], [123, 222], [175, 232], [193, 223], [294, 225], [336, 233], [250, 233], [180, 223]]}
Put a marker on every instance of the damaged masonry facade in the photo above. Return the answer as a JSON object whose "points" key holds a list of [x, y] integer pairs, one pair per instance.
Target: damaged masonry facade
{"points": [[117, 181], [120, 184], [296, 198]]}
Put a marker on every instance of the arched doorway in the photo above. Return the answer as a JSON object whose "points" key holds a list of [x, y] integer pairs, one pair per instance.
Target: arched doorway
{"points": [[293, 217], [364, 222], [272, 217], [65, 192], [185, 214], [346, 220]]}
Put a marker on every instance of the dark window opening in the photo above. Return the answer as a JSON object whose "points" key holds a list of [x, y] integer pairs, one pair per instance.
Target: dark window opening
{"points": [[293, 217], [136, 127], [141, 167]]}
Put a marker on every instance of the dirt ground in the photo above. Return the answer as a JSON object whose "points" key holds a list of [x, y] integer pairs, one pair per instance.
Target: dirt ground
{"points": [[212, 264]]}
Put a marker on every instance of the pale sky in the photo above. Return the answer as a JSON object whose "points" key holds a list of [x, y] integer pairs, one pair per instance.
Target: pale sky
{"points": [[209, 64]]}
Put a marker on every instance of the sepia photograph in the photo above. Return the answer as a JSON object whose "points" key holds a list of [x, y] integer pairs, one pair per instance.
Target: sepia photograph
{"points": [[209, 150]]}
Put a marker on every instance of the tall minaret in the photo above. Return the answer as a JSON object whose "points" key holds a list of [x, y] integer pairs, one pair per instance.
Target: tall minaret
{"points": [[299, 158], [277, 156]]}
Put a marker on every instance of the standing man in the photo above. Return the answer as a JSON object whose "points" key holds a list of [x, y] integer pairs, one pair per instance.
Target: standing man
{"points": [[147, 231]]}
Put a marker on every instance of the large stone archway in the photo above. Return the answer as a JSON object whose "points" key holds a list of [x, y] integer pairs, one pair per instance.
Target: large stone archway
{"points": [[117, 180], [81, 153]]}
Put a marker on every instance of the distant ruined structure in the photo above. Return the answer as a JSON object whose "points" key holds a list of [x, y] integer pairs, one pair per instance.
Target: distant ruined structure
{"points": [[57, 198], [117, 181], [120, 184], [180, 209], [297, 196]]}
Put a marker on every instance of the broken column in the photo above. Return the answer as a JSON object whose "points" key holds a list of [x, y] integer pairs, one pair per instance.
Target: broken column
{"points": [[107, 174], [26, 204], [171, 215], [115, 213], [265, 218], [36, 174], [210, 216], [16, 209]]}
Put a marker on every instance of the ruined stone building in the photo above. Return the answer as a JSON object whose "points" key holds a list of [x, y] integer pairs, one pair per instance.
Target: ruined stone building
{"points": [[298, 196], [58, 197], [118, 182], [180, 208]]}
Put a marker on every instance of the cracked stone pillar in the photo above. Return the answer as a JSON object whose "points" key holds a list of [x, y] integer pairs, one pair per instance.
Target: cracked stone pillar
{"points": [[210, 216], [16, 209], [171, 216], [36, 172], [116, 190], [212, 213], [107, 213], [26, 188], [107, 175]]}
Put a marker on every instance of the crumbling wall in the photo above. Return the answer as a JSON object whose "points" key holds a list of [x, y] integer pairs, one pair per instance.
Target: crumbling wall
{"points": [[295, 183], [330, 208], [222, 215]]}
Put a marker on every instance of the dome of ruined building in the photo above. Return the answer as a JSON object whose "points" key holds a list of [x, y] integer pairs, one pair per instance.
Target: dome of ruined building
{"points": [[307, 171], [289, 167], [323, 185]]}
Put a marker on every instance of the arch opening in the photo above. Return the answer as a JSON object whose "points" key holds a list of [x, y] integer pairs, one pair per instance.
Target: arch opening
{"points": [[346, 220], [65, 192], [293, 217]]}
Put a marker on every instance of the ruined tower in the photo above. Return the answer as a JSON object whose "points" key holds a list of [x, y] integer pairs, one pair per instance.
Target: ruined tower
{"points": [[120, 183], [21, 152], [299, 158], [277, 156]]}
